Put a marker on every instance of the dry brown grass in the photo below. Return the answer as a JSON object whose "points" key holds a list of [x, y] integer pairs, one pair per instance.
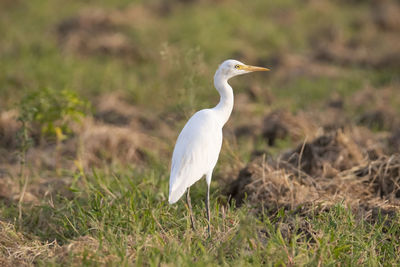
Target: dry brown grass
{"points": [[330, 169], [118, 132], [19, 250], [106, 143], [85, 247], [16, 249]]}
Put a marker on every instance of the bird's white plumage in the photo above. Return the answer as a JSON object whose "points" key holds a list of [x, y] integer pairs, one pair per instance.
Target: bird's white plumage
{"points": [[198, 145], [196, 152]]}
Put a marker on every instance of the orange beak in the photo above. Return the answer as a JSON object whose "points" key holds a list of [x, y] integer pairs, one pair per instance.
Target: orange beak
{"points": [[253, 68]]}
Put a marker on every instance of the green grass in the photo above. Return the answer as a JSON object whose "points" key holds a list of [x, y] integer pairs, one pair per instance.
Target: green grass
{"points": [[118, 215], [127, 216]]}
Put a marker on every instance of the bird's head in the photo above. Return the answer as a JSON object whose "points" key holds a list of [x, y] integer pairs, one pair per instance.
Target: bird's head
{"points": [[231, 68]]}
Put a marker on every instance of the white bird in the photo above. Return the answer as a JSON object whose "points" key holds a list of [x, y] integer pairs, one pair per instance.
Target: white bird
{"points": [[199, 144]]}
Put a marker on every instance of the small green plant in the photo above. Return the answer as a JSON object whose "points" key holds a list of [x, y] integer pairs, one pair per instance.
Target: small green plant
{"points": [[25, 142], [25, 116], [52, 111]]}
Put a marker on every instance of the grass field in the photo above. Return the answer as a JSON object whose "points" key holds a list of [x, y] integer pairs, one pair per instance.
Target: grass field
{"points": [[93, 95]]}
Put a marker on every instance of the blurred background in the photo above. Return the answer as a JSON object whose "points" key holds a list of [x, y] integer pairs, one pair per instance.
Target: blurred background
{"points": [[147, 63], [162, 52], [160, 56]]}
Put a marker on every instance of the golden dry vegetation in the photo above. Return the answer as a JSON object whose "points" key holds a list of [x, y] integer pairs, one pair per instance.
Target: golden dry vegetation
{"points": [[94, 94]]}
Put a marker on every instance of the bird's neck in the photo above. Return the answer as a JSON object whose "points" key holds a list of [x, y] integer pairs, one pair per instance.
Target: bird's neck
{"points": [[225, 105]]}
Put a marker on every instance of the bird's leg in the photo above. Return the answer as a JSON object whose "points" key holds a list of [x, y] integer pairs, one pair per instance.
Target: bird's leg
{"points": [[208, 209], [190, 208]]}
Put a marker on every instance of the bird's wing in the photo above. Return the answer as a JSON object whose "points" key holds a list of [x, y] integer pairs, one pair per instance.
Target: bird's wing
{"points": [[196, 152]]}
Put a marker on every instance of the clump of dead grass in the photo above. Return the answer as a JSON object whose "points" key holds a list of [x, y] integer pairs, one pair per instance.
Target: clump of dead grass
{"points": [[107, 143], [383, 175], [16, 249], [326, 155], [330, 169], [19, 250], [120, 132], [86, 247]]}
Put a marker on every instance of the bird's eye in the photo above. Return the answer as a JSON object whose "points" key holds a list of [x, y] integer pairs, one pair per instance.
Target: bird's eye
{"points": [[237, 67]]}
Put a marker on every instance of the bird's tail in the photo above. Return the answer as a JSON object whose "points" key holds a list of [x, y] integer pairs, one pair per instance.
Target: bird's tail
{"points": [[175, 193]]}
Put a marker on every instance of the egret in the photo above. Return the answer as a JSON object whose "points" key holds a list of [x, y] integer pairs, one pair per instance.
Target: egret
{"points": [[199, 143]]}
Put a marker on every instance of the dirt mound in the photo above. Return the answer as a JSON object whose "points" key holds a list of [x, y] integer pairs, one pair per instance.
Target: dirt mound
{"points": [[384, 176], [385, 14], [290, 66], [394, 141], [358, 53], [168, 7], [113, 109], [9, 191], [280, 124], [378, 119], [330, 169], [108, 143], [377, 107], [96, 31], [265, 184], [36, 191], [373, 46], [8, 129], [326, 155]]}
